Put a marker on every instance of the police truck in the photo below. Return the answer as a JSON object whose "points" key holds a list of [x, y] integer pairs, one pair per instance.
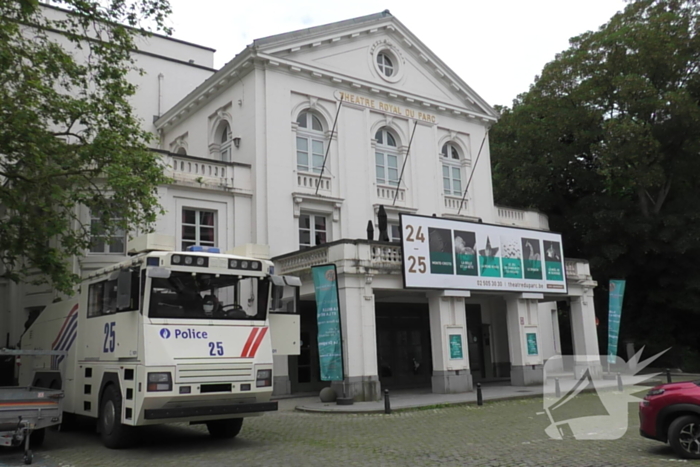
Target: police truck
{"points": [[167, 336]]}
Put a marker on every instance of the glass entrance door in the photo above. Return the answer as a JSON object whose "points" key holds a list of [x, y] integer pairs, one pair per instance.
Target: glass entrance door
{"points": [[304, 372], [475, 337], [403, 345]]}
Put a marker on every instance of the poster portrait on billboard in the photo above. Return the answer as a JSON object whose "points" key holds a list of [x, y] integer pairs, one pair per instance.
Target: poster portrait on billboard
{"points": [[452, 254]]}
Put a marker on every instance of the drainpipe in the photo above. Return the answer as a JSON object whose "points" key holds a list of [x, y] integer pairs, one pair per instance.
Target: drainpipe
{"points": [[160, 92]]}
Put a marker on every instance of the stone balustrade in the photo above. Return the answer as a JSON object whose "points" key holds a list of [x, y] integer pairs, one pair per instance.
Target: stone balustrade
{"points": [[521, 218]]}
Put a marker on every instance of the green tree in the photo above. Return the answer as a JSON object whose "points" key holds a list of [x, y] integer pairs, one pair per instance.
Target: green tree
{"points": [[68, 134], [607, 142]]}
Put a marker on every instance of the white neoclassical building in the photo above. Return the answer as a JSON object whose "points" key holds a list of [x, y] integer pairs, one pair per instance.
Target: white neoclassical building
{"points": [[297, 143]]}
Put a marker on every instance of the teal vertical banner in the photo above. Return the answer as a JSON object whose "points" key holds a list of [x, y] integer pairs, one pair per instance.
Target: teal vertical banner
{"points": [[617, 291], [330, 349]]}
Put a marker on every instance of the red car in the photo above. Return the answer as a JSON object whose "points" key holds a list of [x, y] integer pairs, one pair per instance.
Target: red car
{"points": [[671, 413]]}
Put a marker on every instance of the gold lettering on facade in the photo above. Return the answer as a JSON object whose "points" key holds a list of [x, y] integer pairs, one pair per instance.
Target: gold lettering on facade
{"points": [[385, 107]]}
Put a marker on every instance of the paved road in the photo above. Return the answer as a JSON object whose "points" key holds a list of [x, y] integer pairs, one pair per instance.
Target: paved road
{"points": [[506, 433]]}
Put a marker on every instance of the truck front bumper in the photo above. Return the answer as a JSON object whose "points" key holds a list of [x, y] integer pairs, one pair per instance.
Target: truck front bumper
{"points": [[214, 410]]}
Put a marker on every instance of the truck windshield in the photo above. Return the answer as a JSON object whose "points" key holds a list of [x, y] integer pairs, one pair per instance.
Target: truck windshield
{"points": [[190, 295]]}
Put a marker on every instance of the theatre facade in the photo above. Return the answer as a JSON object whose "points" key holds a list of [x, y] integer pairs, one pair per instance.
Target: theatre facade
{"points": [[329, 133]]}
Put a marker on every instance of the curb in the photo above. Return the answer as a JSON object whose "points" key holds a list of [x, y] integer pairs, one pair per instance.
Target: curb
{"points": [[416, 407], [428, 406]]}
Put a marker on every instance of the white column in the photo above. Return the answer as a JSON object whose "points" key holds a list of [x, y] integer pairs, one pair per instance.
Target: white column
{"points": [[585, 337], [359, 338], [448, 318], [526, 365]]}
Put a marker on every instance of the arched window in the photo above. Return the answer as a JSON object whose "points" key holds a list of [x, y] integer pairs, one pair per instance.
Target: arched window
{"points": [[181, 151], [311, 143], [387, 158], [224, 133], [451, 170]]}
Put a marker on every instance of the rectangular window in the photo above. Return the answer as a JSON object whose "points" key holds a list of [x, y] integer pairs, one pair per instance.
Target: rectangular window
{"points": [[302, 154], [103, 296], [387, 167], [317, 149], [312, 230], [394, 232], [312, 162], [456, 182], [452, 180], [101, 241], [226, 152], [198, 227]]}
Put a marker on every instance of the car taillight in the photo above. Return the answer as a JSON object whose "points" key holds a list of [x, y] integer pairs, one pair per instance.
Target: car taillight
{"points": [[159, 382], [263, 378]]}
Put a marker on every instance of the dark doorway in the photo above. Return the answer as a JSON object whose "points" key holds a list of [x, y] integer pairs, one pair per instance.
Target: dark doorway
{"points": [[403, 345], [304, 371], [565, 333], [475, 337]]}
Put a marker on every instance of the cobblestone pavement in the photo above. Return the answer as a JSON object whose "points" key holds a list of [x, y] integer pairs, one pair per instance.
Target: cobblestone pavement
{"points": [[507, 433]]}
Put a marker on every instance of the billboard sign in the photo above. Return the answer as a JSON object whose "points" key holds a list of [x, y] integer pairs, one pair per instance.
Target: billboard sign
{"points": [[450, 254]]}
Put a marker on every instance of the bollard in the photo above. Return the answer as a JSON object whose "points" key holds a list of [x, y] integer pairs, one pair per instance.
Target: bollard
{"points": [[557, 389], [668, 375], [479, 397], [619, 382], [387, 402]]}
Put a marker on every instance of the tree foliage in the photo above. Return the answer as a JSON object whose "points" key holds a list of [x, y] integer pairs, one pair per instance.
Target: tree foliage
{"points": [[606, 142], [68, 134]]}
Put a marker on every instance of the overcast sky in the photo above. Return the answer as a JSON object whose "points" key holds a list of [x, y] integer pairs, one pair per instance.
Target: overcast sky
{"points": [[497, 47]]}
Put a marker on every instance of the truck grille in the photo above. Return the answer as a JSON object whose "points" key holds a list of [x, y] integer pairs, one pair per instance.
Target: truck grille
{"points": [[209, 372]]}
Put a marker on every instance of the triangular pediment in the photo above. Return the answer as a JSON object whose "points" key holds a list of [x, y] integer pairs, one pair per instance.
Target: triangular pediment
{"points": [[348, 51]]}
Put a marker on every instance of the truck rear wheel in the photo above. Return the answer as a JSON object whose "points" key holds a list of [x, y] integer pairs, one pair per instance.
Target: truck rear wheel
{"points": [[225, 429], [114, 434]]}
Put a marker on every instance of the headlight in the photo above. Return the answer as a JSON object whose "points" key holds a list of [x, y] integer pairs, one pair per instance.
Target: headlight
{"points": [[244, 264], [188, 260], [159, 382], [176, 259], [200, 261], [655, 392], [233, 264], [263, 378]]}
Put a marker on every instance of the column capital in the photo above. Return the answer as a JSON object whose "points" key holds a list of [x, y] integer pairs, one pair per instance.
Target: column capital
{"points": [[530, 296], [450, 293]]}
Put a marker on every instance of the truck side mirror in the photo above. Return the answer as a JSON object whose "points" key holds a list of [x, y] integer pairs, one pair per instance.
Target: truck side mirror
{"points": [[277, 294]]}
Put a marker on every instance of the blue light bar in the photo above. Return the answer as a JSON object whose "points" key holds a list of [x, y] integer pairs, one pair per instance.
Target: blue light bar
{"points": [[204, 249]]}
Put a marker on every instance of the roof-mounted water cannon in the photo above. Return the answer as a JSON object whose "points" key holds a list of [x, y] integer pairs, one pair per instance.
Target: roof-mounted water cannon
{"points": [[251, 250], [151, 242]]}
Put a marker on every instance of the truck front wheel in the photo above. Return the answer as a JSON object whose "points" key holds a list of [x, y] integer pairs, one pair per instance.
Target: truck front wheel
{"points": [[114, 434], [225, 429]]}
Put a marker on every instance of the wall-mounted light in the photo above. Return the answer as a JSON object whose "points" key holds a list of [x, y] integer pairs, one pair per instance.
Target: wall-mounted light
{"points": [[237, 141]]}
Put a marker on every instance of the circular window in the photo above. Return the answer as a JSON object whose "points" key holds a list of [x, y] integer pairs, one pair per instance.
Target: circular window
{"points": [[387, 61]]}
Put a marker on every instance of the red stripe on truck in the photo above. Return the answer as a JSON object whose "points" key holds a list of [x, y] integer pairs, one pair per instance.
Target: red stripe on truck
{"points": [[249, 342], [259, 339]]}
